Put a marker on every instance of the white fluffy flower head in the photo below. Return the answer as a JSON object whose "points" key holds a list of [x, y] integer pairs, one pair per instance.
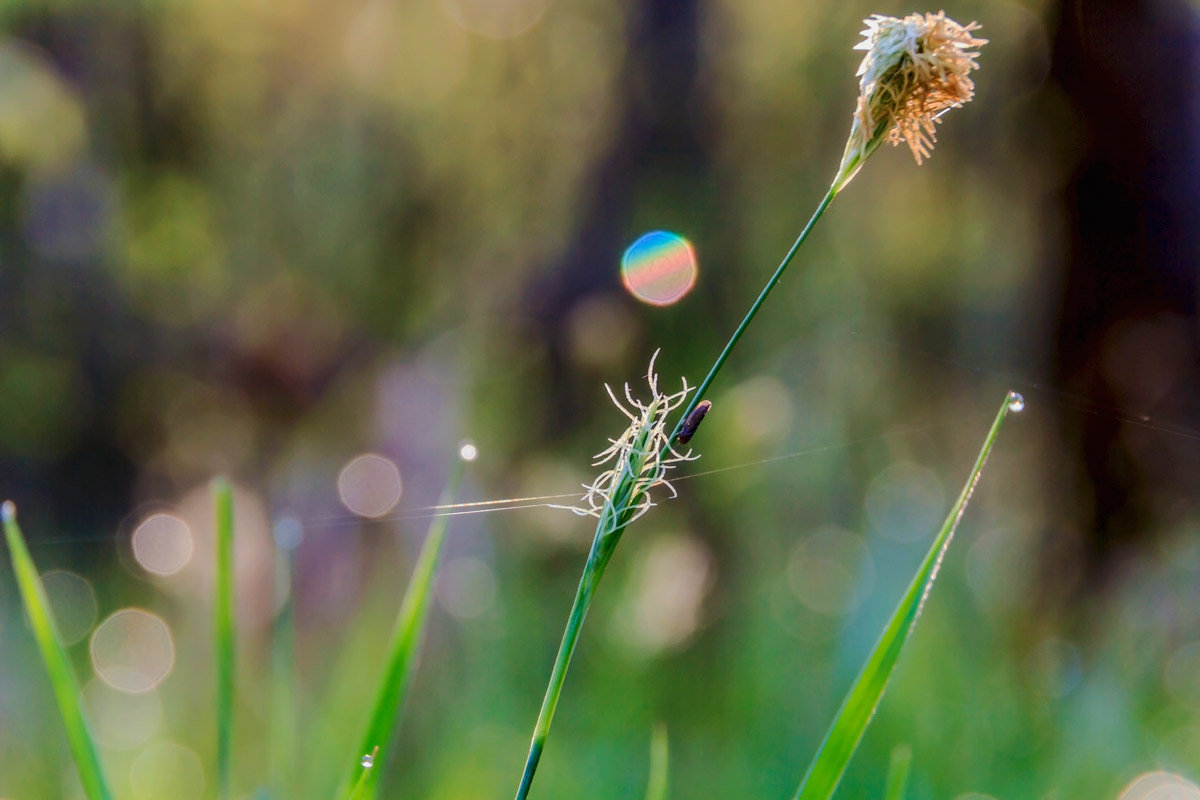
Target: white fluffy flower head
{"points": [[915, 69]]}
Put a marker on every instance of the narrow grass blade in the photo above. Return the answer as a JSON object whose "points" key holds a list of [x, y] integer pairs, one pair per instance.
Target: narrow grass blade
{"points": [[284, 724], [656, 785], [827, 767], [368, 763], [360, 782], [223, 630], [54, 656], [897, 775]]}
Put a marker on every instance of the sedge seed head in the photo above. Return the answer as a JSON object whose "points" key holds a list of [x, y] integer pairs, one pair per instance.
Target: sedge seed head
{"points": [[914, 70], [639, 459]]}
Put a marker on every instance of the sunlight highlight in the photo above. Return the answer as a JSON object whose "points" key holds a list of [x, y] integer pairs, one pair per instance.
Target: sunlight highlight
{"points": [[133, 651], [1160, 786], [370, 485], [659, 268], [162, 544]]}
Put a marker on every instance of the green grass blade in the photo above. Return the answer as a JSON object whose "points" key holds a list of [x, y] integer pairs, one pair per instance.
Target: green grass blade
{"points": [[284, 724], [223, 630], [54, 656], [360, 783], [897, 775], [368, 763], [827, 767], [656, 785]]}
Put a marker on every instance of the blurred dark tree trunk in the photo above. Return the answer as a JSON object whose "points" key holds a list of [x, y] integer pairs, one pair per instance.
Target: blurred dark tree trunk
{"points": [[660, 140], [1127, 321]]}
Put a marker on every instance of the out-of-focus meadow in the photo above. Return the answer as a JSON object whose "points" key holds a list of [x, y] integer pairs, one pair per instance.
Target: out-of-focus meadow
{"points": [[314, 246]]}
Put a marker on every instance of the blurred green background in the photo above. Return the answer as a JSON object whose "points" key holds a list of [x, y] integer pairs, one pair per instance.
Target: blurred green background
{"points": [[268, 238]]}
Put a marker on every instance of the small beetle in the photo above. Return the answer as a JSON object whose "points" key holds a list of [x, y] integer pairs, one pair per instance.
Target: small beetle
{"points": [[692, 421]]}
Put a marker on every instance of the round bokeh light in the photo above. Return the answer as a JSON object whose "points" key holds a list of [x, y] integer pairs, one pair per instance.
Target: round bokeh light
{"points": [[1160, 786], [370, 485], [132, 650], [162, 544], [73, 603], [166, 769], [659, 268], [121, 721]]}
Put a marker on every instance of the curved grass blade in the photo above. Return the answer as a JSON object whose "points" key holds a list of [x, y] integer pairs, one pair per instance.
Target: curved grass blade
{"points": [[54, 656], [361, 783], [897, 775], [224, 632], [656, 785], [827, 767]]}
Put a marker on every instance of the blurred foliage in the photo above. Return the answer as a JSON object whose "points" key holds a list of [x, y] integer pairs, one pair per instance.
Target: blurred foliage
{"points": [[263, 238]]}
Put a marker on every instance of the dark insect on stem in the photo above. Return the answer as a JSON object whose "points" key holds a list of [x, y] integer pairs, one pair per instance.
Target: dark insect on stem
{"points": [[692, 421]]}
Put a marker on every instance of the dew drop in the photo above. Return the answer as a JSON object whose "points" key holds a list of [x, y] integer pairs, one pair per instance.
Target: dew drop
{"points": [[468, 451], [368, 761], [1016, 403]]}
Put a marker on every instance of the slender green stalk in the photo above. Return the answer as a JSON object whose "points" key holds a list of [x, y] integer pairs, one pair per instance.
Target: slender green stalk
{"points": [[608, 533], [284, 725], [702, 389], [224, 631], [361, 783], [829, 764], [897, 774], [656, 784], [54, 656], [619, 512]]}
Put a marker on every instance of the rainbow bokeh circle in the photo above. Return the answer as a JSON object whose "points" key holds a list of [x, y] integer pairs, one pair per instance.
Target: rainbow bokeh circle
{"points": [[659, 268]]}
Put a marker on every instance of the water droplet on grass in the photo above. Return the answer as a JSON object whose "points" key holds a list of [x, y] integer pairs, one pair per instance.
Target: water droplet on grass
{"points": [[368, 761], [1016, 403]]}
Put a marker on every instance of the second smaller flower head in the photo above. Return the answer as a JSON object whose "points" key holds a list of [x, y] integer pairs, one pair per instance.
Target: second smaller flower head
{"points": [[914, 70], [639, 458]]}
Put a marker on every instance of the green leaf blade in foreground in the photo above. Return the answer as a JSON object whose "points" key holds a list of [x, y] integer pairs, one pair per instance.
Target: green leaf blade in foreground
{"points": [[829, 764], [361, 780], [897, 774], [54, 656], [224, 632], [284, 722], [656, 784]]}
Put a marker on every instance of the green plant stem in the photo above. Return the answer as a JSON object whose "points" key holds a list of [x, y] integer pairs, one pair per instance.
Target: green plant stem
{"points": [[379, 732], [224, 631], [656, 783], [603, 545], [897, 774], [612, 525], [54, 656], [283, 680], [702, 389]]}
